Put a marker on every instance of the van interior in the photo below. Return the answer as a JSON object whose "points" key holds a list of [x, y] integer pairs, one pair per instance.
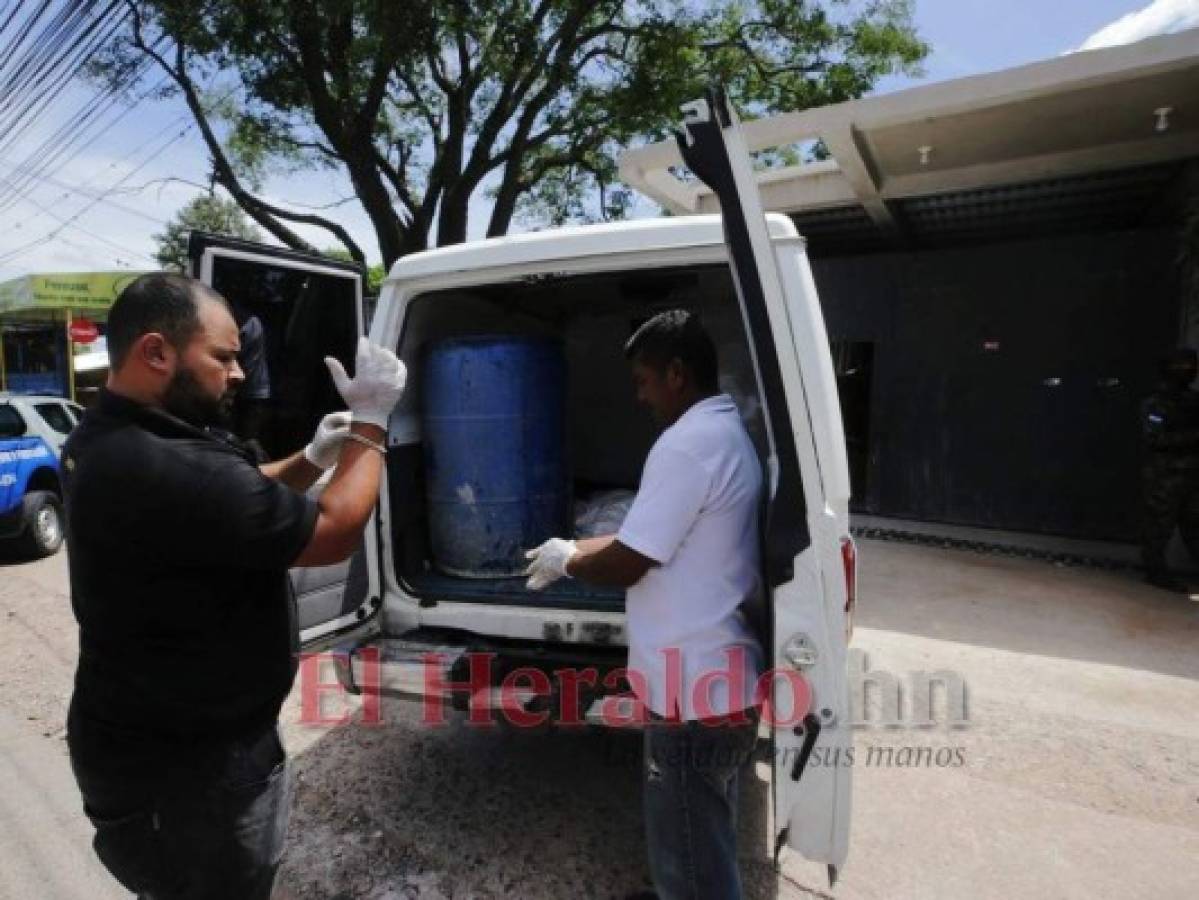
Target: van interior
{"points": [[289, 320], [608, 434]]}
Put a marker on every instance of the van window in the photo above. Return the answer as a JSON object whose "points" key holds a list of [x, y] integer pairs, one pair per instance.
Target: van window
{"points": [[11, 423], [56, 417], [289, 321]]}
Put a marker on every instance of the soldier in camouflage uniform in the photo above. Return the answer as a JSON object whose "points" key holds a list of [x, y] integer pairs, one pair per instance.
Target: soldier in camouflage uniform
{"points": [[1170, 425]]}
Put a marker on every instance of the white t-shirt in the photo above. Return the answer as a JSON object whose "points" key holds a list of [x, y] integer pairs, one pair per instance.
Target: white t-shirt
{"points": [[696, 514]]}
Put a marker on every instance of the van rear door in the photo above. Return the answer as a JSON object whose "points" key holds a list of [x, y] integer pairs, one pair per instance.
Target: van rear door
{"points": [[294, 309], [803, 527]]}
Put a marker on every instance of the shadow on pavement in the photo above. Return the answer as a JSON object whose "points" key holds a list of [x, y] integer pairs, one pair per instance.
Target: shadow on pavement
{"points": [[11, 555]]}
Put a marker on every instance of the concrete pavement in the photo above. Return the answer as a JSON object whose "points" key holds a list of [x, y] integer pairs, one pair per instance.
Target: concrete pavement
{"points": [[44, 836], [1081, 774]]}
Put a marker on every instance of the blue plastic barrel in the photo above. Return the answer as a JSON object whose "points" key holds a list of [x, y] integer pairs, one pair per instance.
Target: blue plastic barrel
{"points": [[495, 456]]}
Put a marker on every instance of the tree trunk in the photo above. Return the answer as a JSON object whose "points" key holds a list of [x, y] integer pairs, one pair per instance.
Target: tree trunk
{"points": [[452, 216], [389, 229], [505, 207]]}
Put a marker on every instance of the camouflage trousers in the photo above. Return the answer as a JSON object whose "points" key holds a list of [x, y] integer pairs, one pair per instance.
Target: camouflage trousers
{"points": [[1169, 499]]}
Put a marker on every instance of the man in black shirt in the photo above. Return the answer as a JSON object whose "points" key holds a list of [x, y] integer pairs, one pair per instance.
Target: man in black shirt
{"points": [[179, 547]]}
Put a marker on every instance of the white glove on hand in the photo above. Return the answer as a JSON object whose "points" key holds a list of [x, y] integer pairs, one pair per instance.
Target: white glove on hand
{"points": [[548, 563], [377, 385], [326, 443]]}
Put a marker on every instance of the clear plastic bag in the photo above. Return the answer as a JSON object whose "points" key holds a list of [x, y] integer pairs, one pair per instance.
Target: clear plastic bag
{"points": [[602, 513]]}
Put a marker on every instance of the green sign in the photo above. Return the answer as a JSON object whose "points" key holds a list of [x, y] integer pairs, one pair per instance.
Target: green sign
{"points": [[82, 291]]}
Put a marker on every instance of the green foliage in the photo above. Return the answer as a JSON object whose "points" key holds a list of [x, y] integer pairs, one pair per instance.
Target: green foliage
{"points": [[206, 212], [374, 274], [425, 104]]}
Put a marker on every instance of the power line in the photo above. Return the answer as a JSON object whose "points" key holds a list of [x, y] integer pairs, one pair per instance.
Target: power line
{"points": [[4, 26], [41, 52], [172, 124], [63, 146], [24, 195], [51, 75], [80, 228], [9, 51], [71, 137], [33, 77], [118, 260], [19, 250], [12, 254], [70, 190], [178, 120], [72, 134]]}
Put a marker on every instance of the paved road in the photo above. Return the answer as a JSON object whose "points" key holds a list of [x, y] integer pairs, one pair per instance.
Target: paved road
{"points": [[1082, 750], [1079, 772], [44, 837]]}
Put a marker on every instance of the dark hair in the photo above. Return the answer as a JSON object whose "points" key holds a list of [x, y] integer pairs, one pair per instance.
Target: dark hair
{"points": [[162, 302], [676, 334]]}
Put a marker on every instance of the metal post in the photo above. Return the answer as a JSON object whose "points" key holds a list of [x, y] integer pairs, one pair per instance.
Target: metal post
{"points": [[70, 359]]}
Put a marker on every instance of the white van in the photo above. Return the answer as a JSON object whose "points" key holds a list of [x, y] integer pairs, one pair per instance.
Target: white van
{"points": [[748, 277]]}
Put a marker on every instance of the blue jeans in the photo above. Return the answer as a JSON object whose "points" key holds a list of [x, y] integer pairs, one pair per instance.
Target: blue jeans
{"points": [[690, 781], [210, 827]]}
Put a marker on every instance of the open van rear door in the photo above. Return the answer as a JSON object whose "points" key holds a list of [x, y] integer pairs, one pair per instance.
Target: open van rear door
{"points": [[802, 533], [294, 309]]}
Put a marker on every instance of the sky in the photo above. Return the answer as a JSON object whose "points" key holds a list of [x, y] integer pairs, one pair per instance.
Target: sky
{"points": [[100, 211]]}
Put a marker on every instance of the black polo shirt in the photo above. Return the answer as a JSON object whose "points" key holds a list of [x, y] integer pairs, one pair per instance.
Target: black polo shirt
{"points": [[178, 550]]}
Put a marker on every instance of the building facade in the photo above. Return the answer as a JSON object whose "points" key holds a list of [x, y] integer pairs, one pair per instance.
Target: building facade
{"points": [[998, 258]]}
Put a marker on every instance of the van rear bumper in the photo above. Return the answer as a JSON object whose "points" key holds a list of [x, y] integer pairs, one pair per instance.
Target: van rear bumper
{"points": [[396, 667], [489, 678]]}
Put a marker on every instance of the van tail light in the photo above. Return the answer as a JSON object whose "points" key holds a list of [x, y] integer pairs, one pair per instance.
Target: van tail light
{"points": [[849, 559]]}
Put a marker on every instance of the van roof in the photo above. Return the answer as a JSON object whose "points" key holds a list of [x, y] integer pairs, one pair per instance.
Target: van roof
{"points": [[571, 243]]}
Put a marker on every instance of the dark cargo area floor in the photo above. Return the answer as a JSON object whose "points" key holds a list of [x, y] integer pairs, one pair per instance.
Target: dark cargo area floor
{"points": [[566, 593]]}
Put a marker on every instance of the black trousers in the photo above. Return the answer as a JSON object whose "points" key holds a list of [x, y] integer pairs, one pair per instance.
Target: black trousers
{"points": [[207, 825]]}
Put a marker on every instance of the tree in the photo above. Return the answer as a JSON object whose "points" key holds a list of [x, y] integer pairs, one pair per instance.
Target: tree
{"points": [[207, 212], [426, 104]]}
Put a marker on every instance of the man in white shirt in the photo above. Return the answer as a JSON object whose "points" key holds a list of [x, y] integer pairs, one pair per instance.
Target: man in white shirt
{"points": [[688, 555]]}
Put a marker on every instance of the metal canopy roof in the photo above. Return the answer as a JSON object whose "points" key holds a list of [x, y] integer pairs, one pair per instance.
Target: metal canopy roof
{"points": [[1089, 141]]}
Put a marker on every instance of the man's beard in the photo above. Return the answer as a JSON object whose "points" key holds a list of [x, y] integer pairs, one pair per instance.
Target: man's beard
{"points": [[185, 399]]}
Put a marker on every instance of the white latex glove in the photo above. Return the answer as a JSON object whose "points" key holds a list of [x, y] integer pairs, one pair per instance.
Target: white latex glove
{"points": [[548, 563], [377, 385], [326, 443]]}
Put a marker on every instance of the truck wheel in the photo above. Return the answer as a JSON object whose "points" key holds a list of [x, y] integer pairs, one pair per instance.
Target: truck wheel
{"points": [[43, 523]]}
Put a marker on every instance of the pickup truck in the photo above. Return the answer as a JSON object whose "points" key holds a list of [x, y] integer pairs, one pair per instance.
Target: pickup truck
{"points": [[32, 432], [390, 616]]}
